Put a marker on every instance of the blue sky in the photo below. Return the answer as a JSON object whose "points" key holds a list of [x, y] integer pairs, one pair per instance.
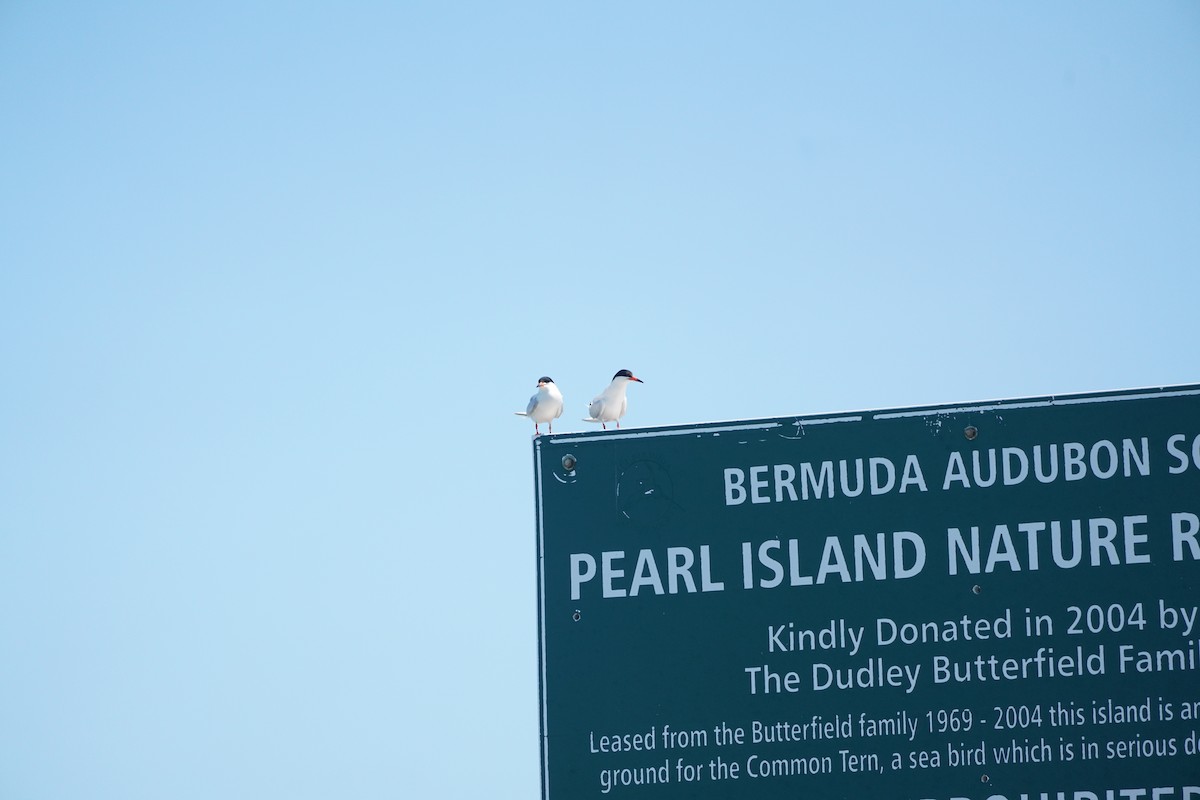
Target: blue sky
{"points": [[273, 278]]}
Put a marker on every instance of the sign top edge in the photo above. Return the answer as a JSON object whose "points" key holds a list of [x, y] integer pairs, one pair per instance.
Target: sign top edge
{"points": [[831, 417]]}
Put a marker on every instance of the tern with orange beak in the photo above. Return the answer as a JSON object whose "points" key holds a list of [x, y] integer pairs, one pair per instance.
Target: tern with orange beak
{"points": [[545, 406], [609, 405]]}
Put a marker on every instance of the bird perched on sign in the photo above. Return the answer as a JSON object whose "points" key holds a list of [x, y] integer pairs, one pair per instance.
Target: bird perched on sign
{"points": [[545, 406], [609, 405]]}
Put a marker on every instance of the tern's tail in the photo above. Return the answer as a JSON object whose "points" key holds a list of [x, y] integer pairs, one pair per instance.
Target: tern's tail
{"points": [[591, 419], [521, 413]]}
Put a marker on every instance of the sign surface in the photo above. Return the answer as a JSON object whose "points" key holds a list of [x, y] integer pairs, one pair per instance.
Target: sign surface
{"points": [[994, 600]]}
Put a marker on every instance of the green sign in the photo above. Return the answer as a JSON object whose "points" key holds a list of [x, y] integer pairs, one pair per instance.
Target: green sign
{"points": [[995, 600]]}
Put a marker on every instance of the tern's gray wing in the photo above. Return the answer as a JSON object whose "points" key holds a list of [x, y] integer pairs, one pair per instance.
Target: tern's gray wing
{"points": [[596, 408], [533, 401]]}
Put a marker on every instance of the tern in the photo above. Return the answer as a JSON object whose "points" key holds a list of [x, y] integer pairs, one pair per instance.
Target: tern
{"points": [[545, 406], [609, 405]]}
